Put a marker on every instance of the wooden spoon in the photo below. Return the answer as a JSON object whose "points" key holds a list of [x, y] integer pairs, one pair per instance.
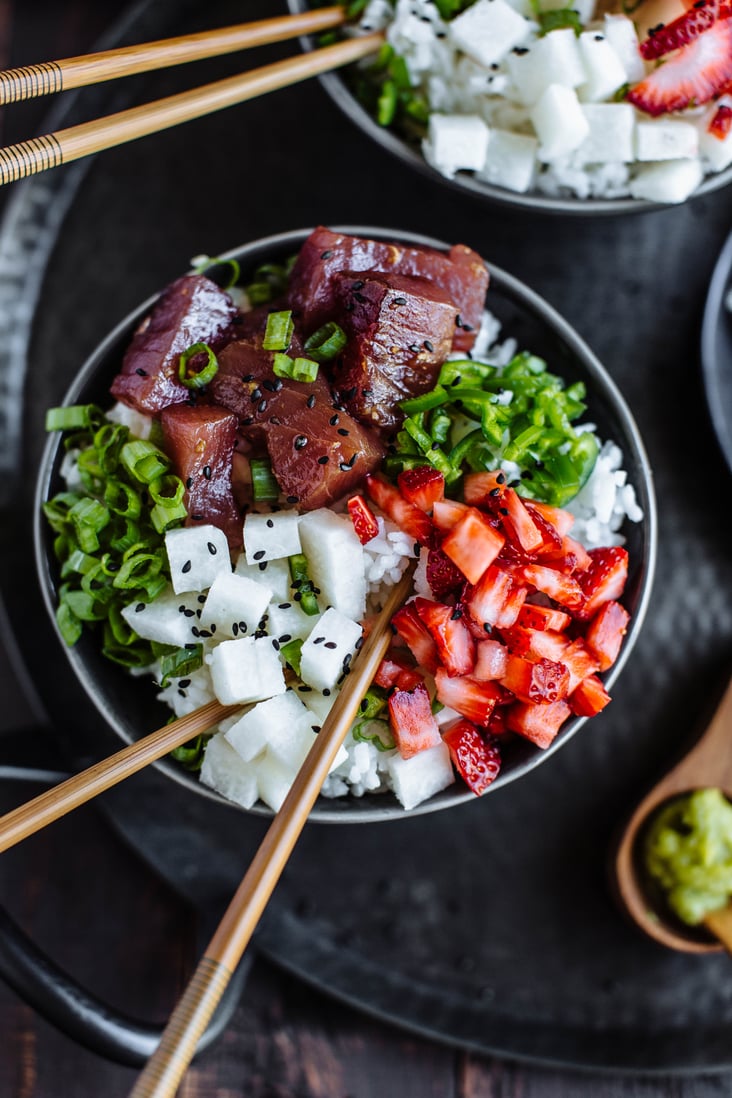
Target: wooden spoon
{"points": [[707, 764]]}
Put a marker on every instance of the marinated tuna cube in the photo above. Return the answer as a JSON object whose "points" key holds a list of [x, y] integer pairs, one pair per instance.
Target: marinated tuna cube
{"points": [[200, 442], [193, 309], [460, 273], [400, 331]]}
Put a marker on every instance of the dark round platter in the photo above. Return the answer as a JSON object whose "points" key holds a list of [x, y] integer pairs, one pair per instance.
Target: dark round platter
{"points": [[717, 349], [491, 926]]}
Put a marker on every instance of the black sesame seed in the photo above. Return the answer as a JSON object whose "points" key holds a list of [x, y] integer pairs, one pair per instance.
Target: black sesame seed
{"points": [[140, 606], [343, 432], [487, 627], [326, 693], [248, 377], [519, 50], [331, 644], [334, 420], [247, 421], [326, 255], [318, 640], [212, 548], [456, 614], [189, 613], [323, 460], [495, 492], [284, 605], [184, 682], [414, 348], [262, 407], [500, 479], [270, 385], [349, 394], [275, 421], [140, 372], [197, 518], [235, 628], [357, 285], [428, 346], [189, 482], [259, 554], [275, 644], [243, 627], [311, 401], [399, 301], [256, 394], [300, 442], [195, 631], [207, 472], [186, 567], [182, 693], [503, 510], [292, 499], [204, 633]]}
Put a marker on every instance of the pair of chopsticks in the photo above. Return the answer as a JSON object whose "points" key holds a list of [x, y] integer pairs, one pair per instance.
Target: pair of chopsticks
{"points": [[53, 149], [168, 1064]]}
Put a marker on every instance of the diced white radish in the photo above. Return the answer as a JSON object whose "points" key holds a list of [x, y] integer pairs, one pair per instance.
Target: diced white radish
{"points": [[612, 134], [139, 424], [455, 142], [716, 152], [262, 725], [510, 161], [623, 37], [670, 181], [666, 139], [274, 574], [289, 744], [189, 692], [605, 70], [197, 555], [559, 122], [319, 704], [553, 59], [287, 621], [234, 606], [168, 619], [335, 560], [488, 30], [329, 649], [245, 670], [271, 536], [273, 780], [223, 770], [421, 776]]}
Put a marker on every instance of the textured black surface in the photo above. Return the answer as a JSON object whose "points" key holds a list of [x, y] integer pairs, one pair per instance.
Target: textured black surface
{"points": [[491, 925]]}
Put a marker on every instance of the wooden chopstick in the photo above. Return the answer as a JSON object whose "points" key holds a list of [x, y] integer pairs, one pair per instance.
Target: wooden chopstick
{"points": [[166, 1067], [56, 802], [49, 77], [53, 149]]}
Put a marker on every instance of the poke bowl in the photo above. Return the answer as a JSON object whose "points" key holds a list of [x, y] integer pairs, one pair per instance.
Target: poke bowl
{"points": [[402, 474], [589, 108]]}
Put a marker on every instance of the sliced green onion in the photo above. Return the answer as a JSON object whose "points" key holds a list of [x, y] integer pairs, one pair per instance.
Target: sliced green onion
{"points": [[69, 625], [167, 493], [282, 365], [211, 266], [122, 499], [89, 517], [305, 591], [304, 369], [137, 569], [264, 485], [372, 704], [144, 461], [176, 663], [387, 103], [74, 417], [433, 399], [194, 378], [190, 755], [374, 732], [326, 343], [279, 330]]}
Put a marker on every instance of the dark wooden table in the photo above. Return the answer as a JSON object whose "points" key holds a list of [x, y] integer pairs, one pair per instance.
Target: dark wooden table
{"points": [[96, 908]]}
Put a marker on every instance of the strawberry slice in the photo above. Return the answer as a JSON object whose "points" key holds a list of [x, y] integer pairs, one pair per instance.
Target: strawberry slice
{"points": [[603, 580], [422, 486], [518, 523], [408, 518], [479, 488], [556, 585], [721, 122], [535, 644], [680, 32], [443, 577], [571, 556], [363, 519], [472, 699], [496, 599], [534, 616], [538, 723], [412, 722], [562, 521], [490, 660], [589, 697], [472, 544], [476, 758], [454, 643], [395, 671], [417, 637], [447, 512], [695, 74], [539, 682], [604, 635], [580, 663]]}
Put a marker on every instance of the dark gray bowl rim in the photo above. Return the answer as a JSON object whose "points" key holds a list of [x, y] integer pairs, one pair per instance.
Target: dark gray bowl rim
{"points": [[465, 183], [382, 806]]}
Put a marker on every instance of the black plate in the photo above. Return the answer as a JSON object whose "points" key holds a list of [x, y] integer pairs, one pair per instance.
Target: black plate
{"points": [[490, 926], [716, 350]]}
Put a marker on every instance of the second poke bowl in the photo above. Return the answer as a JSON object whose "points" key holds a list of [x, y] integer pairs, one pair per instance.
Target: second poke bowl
{"points": [[245, 465]]}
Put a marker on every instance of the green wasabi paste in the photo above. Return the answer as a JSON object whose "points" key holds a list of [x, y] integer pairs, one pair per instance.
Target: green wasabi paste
{"points": [[688, 852]]}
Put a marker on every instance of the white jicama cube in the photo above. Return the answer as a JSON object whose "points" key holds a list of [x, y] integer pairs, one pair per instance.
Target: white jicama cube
{"points": [[666, 139], [670, 181], [319, 704], [168, 619], [621, 34], [612, 134], [329, 649], [234, 605], [715, 151], [488, 30], [197, 555], [287, 621], [273, 780], [274, 574], [605, 70], [421, 776], [511, 160], [335, 560], [266, 722], [187, 693], [559, 122], [271, 536], [553, 59], [455, 142], [223, 770], [245, 670]]}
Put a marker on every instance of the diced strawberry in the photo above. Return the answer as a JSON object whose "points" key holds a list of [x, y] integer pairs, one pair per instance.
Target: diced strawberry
{"points": [[535, 644], [479, 487], [679, 32], [417, 637], [603, 580], [472, 544], [538, 723], [443, 577], [721, 122], [454, 643], [534, 616], [447, 512], [518, 523], [476, 758], [408, 518], [422, 486], [363, 519], [472, 699], [538, 682], [604, 635], [393, 671], [490, 660], [580, 663], [588, 697], [695, 74], [551, 538], [562, 521], [571, 556], [412, 722], [556, 585], [496, 599]]}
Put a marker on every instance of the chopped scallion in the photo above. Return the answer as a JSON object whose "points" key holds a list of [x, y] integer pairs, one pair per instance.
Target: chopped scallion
{"points": [[196, 376], [279, 330]]}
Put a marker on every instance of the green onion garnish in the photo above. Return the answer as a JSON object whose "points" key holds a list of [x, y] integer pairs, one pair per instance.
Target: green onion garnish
{"points": [[304, 369], [278, 332], [305, 591], [144, 461], [264, 485], [326, 343], [194, 378]]}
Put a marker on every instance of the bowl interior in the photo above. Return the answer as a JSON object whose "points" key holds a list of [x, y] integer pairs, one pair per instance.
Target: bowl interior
{"points": [[128, 705]]}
